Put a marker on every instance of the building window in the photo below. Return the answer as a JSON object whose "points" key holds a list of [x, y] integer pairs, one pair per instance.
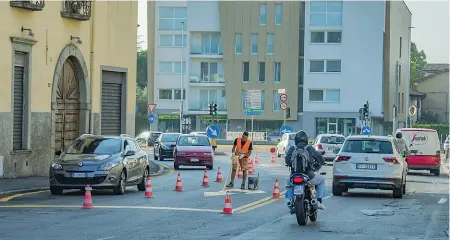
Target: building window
{"points": [[326, 36], [238, 43], [399, 74], [172, 40], [278, 13], [211, 43], [20, 102], [324, 95], [400, 53], [177, 94], [171, 67], [270, 43], [319, 66], [263, 97], [276, 101], [165, 94], [245, 72], [277, 72], [254, 46], [262, 13], [262, 72], [171, 18], [325, 13]]}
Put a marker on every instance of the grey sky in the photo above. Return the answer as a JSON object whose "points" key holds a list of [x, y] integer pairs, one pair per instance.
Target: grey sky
{"points": [[430, 19]]}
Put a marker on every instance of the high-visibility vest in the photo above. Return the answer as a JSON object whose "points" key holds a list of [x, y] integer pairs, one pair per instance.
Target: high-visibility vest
{"points": [[242, 149], [213, 142]]}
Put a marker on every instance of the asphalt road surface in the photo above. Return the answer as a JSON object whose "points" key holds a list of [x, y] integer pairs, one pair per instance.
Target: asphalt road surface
{"points": [[196, 214]]}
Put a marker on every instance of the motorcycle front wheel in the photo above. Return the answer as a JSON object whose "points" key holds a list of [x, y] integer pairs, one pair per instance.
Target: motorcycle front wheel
{"points": [[300, 212]]}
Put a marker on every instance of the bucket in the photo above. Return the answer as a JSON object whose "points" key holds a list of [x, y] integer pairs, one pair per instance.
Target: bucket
{"points": [[253, 182]]}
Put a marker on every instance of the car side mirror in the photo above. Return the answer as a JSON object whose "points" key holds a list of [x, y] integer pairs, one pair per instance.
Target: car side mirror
{"points": [[58, 152], [173, 145], [130, 153], [323, 173]]}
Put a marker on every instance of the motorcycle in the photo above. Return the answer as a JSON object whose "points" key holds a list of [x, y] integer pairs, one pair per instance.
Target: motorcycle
{"points": [[303, 202]]}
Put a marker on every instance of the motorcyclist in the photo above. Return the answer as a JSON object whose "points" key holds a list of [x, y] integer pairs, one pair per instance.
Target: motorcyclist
{"points": [[316, 161], [401, 143]]}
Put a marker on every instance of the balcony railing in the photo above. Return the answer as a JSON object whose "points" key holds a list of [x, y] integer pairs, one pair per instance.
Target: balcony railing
{"points": [[28, 5], [204, 105], [206, 78], [79, 10], [198, 49]]}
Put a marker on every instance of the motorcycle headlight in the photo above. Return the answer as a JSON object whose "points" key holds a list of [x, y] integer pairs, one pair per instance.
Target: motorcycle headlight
{"points": [[108, 166], [56, 166]]}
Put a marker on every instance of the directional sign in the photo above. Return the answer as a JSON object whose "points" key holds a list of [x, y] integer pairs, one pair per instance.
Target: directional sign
{"points": [[366, 130], [253, 102], [283, 97], [151, 108], [151, 118], [213, 131], [285, 129], [283, 105]]}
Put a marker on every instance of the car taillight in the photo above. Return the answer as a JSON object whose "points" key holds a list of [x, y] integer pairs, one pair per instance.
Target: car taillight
{"points": [[446, 141], [391, 159], [298, 180], [341, 158], [319, 146]]}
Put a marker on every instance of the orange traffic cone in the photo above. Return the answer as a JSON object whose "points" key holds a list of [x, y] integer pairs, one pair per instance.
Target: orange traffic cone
{"points": [[227, 209], [251, 169], [256, 158], [179, 186], [219, 176], [205, 180], [87, 203], [240, 174], [148, 189], [276, 190], [273, 158]]}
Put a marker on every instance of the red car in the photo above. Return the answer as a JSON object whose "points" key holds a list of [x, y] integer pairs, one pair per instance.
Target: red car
{"points": [[193, 150]]}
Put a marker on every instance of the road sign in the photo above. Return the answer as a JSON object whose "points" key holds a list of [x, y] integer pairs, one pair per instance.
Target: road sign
{"points": [[272, 150], [281, 90], [283, 97], [151, 118], [253, 102], [283, 105], [213, 131], [151, 108], [366, 130], [285, 129]]}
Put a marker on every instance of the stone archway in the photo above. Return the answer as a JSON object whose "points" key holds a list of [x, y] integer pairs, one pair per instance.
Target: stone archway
{"points": [[70, 98]]}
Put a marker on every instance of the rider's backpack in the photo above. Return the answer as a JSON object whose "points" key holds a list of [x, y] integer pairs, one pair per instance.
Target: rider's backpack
{"points": [[300, 160]]}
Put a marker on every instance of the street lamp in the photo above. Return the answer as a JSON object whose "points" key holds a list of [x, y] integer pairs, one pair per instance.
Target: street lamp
{"points": [[182, 68]]}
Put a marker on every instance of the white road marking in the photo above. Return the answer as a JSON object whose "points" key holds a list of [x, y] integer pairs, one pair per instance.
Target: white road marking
{"points": [[106, 238], [443, 200]]}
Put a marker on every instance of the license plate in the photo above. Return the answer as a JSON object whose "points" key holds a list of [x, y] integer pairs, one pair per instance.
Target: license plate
{"points": [[299, 190], [366, 166], [78, 175], [195, 160]]}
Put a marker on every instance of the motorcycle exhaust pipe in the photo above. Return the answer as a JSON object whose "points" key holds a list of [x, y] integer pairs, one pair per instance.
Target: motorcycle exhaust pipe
{"points": [[289, 204], [315, 203]]}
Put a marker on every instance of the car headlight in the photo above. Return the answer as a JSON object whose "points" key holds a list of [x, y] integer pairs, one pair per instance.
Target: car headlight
{"points": [[108, 166], [207, 154], [165, 147], [56, 166]]}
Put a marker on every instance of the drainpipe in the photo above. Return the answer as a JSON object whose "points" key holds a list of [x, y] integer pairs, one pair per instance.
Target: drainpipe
{"points": [[91, 67]]}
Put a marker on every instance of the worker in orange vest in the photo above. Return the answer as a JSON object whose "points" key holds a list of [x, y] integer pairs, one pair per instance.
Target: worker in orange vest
{"points": [[242, 148]]}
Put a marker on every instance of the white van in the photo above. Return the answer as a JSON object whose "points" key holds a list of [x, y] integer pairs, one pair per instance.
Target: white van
{"points": [[424, 149]]}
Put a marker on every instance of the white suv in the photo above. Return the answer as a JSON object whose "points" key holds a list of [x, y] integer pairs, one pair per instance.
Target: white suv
{"points": [[330, 143], [370, 162]]}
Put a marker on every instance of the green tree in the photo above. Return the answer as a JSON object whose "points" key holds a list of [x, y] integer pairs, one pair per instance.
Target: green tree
{"points": [[141, 74], [141, 122], [418, 61]]}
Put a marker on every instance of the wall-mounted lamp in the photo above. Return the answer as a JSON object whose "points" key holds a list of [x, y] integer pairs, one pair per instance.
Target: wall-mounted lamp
{"points": [[30, 32], [78, 39]]}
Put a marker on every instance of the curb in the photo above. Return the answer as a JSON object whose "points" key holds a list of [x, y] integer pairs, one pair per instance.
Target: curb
{"points": [[159, 172], [19, 191]]}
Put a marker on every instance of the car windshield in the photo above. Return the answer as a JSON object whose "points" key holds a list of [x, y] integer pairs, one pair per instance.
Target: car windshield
{"points": [[100, 146], [193, 141], [169, 137], [332, 140], [368, 146], [154, 135]]}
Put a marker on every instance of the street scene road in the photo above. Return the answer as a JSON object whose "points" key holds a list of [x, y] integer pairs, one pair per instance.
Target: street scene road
{"points": [[196, 213]]}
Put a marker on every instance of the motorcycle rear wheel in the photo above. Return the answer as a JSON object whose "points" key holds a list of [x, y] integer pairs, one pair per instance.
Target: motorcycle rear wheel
{"points": [[313, 216], [300, 212]]}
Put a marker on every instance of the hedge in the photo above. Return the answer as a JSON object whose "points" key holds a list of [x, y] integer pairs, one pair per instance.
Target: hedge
{"points": [[442, 129]]}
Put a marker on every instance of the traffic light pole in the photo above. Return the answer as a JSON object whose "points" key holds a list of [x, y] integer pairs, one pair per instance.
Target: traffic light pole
{"points": [[284, 117]]}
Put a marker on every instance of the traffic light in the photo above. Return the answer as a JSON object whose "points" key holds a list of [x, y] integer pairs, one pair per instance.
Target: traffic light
{"points": [[214, 109], [366, 110], [210, 109], [288, 112]]}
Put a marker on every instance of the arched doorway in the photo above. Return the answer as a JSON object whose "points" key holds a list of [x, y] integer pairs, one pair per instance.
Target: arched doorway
{"points": [[67, 114]]}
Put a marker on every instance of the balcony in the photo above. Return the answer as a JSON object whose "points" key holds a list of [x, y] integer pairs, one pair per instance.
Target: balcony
{"points": [[206, 51], [79, 10], [200, 79], [203, 106], [28, 5]]}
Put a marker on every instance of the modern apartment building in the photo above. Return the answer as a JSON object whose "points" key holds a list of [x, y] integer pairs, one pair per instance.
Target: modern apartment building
{"points": [[68, 68], [330, 57]]}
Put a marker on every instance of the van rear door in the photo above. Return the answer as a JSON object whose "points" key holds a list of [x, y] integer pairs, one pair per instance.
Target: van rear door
{"points": [[423, 145]]}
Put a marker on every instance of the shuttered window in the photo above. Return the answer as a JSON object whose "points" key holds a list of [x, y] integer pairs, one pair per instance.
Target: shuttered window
{"points": [[19, 109], [111, 109]]}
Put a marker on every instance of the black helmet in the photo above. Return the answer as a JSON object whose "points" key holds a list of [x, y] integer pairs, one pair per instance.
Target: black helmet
{"points": [[301, 136], [398, 135]]}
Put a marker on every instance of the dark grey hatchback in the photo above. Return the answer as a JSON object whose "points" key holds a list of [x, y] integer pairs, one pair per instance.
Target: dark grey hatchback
{"points": [[103, 162]]}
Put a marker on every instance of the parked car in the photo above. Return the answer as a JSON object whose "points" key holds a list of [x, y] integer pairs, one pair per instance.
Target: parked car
{"points": [[287, 140], [370, 162], [164, 144], [273, 136], [148, 138], [193, 150], [330, 143], [102, 162], [424, 149]]}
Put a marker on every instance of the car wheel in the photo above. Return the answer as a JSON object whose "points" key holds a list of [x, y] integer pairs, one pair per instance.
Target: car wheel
{"points": [[160, 156], [56, 190], [436, 172], [120, 188], [337, 191], [210, 167], [398, 192], [404, 188], [154, 156], [141, 186], [176, 166]]}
